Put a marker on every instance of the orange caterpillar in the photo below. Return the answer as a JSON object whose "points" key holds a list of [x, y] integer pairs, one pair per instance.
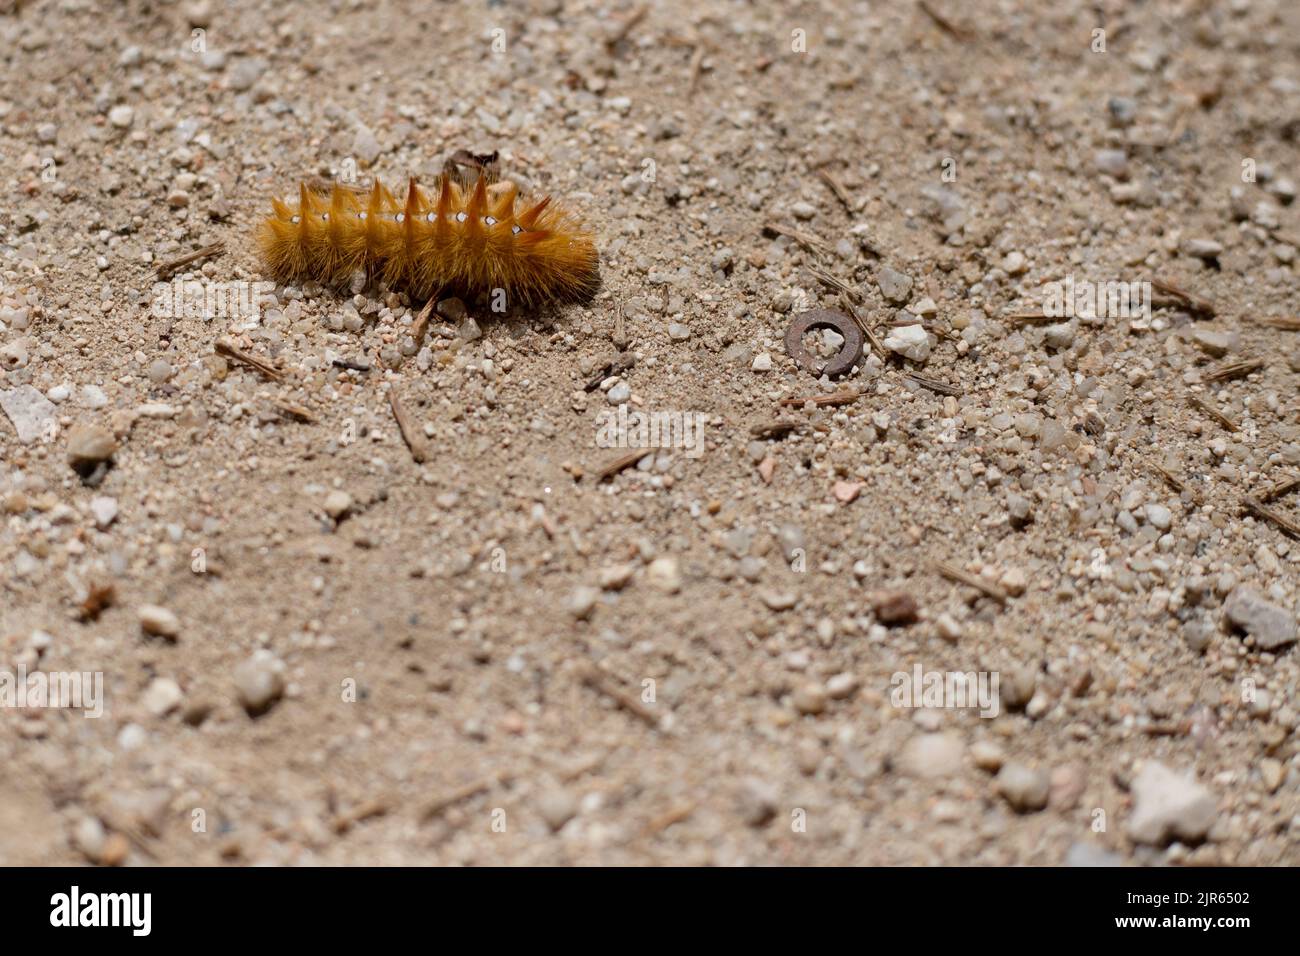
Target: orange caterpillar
{"points": [[464, 238]]}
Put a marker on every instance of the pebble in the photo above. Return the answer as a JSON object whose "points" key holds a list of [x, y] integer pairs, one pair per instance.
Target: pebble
{"points": [[1024, 787], [842, 686], [1112, 162], [987, 755], [847, 491], [762, 362], [1169, 805], [29, 411], [1059, 336], [895, 286], [162, 696], [1213, 343], [931, 755], [337, 503], [910, 341], [616, 578], [104, 509], [1089, 854], [665, 575], [365, 146], [779, 600], [259, 681], [557, 807], [92, 397], [678, 332], [1158, 516], [121, 116], [583, 601], [1271, 626], [810, 698], [756, 801], [1201, 248], [895, 608], [90, 444], [619, 393], [159, 621], [803, 210], [1015, 264]]}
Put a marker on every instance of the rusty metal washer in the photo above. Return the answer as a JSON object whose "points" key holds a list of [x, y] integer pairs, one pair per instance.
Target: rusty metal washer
{"points": [[843, 360]]}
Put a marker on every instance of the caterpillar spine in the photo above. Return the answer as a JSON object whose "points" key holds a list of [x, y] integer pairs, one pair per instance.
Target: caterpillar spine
{"points": [[460, 237]]}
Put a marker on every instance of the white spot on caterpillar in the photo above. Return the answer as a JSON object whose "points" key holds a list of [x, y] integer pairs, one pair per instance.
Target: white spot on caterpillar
{"points": [[325, 215], [294, 219], [489, 220], [432, 217], [461, 217], [515, 230], [361, 215], [400, 217]]}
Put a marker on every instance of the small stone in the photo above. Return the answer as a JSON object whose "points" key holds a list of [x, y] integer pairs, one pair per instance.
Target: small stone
{"points": [[337, 503], [810, 698], [121, 116], [679, 332], [1025, 788], [803, 210], [1112, 162], [1169, 805], [895, 286], [895, 608], [365, 146], [987, 755], [842, 686], [1089, 854], [451, 309], [32, 414], [931, 755], [1213, 343], [1015, 264], [89, 836], [92, 397], [664, 574], [582, 602], [159, 371], [557, 807], [779, 600], [159, 621], [259, 681], [619, 393], [766, 468], [1201, 248], [847, 491], [1271, 626], [1014, 582], [762, 362], [1059, 335], [756, 802], [89, 445], [910, 341], [162, 696], [616, 578], [948, 627], [1158, 516], [1198, 634], [104, 509]]}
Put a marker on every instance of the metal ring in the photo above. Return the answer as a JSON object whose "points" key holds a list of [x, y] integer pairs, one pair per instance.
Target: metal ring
{"points": [[843, 360]]}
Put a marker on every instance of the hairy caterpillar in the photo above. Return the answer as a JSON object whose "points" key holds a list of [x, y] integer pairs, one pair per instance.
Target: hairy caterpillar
{"points": [[460, 237]]}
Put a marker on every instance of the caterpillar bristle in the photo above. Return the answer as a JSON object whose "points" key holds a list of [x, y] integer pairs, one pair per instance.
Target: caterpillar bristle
{"points": [[464, 236]]}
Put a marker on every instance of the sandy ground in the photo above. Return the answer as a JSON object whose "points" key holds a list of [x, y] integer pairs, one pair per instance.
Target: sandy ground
{"points": [[315, 649]]}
